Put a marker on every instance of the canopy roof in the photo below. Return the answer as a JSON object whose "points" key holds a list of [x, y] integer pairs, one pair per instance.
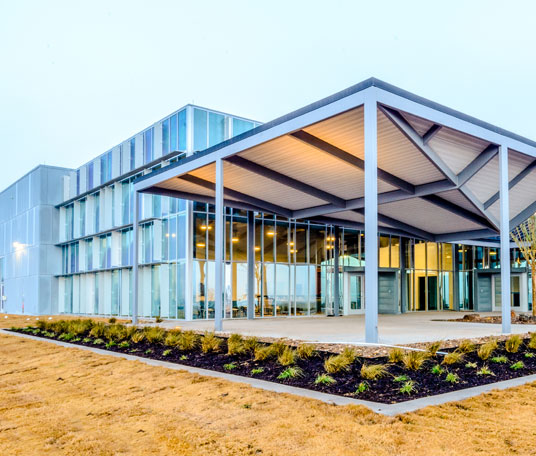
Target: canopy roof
{"points": [[438, 169]]}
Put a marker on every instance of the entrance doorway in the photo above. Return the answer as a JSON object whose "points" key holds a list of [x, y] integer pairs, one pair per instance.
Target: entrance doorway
{"points": [[518, 299], [354, 302]]}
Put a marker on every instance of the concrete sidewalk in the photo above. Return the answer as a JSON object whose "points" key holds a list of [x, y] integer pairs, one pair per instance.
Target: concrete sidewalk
{"points": [[393, 329]]}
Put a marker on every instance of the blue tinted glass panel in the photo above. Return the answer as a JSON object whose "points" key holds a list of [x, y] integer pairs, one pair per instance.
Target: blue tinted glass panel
{"points": [[132, 154], [148, 146], [200, 129], [182, 130], [173, 133], [216, 128], [90, 176], [240, 126], [165, 137]]}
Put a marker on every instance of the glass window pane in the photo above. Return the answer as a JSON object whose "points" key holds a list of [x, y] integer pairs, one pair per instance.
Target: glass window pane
{"points": [[182, 130], [395, 252], [240, 126], [165, 137], [239, 239], [173, 129], [216, 128], [383, 258], [200, 129]]}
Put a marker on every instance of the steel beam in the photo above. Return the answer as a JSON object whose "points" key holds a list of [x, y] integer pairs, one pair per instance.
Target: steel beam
{"points": [[336, 273], [251, 266], [432, 131], [516, 180], [523, 215], [409, 132], [371, 220], [219, 227], [477, 164], [265, 205], [463, 235], [505, 240], [351, 159], [460, 211], [135, 258], [285, 180]]}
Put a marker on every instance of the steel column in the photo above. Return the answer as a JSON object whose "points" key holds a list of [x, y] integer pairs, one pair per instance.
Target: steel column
{"points": [[336, 273], [219, 227], [135, 240], [505, 239], [251, 265], [371, 221]]}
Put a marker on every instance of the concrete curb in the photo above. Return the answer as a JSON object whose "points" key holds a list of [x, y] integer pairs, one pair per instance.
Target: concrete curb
{"points": [[384, 409]]}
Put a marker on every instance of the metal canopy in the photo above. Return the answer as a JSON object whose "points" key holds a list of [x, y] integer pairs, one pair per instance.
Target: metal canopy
{"points": [[438, 175]]}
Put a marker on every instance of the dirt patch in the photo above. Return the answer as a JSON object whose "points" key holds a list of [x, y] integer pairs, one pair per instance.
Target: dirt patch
{"points": [[56, 400], [495, 319]]}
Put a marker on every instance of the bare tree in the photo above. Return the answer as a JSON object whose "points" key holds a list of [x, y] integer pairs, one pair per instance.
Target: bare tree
{"points": [[525, 238]]}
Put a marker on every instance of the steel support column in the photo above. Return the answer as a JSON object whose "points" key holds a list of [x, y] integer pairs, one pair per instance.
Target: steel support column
{"points": [[505, 239], [135, 256], [371, 220], [336, 273], [219, 227], [251, 265]]}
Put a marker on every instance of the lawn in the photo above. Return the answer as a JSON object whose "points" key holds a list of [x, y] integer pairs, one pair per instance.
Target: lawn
{"points": [[67, 401]]}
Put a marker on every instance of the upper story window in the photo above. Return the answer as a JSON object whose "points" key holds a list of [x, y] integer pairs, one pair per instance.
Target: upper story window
{"points": [[216, 128], [165, 137], [78, 182], [240, 126], [177, 132], [200, 129], [148, 145], [132, 154], [106, 167], [89, 176]]}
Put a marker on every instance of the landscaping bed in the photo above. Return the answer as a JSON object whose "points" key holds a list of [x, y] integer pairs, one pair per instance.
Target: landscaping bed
{"points": [[398, 377], [517, 319]]}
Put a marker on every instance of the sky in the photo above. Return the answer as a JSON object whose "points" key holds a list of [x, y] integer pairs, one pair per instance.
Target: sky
{"points": [[77, 78]]}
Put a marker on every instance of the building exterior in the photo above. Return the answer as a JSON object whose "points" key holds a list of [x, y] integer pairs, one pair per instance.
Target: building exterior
{"points": [[68, 242]]}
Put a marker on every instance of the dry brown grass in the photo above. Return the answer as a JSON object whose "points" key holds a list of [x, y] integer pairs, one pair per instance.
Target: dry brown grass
{"points": [[55, 400]]}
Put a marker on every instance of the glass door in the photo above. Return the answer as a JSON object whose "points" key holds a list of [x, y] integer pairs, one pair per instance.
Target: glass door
{"points": [[355, 296], [515, 292]]}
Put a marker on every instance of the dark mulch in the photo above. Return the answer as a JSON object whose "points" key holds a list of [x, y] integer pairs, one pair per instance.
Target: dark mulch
{"points": [[384, 390], [495, 319]]}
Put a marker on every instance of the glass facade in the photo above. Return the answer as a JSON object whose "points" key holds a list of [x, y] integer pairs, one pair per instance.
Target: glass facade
{"points": [[294, 260]]}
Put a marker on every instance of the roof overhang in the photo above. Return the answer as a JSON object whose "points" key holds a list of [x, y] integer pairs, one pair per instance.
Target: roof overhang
{"points": [[438, 169]]}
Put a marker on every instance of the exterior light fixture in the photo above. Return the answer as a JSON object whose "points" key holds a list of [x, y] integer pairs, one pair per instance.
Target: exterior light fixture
{"points": [[200, 244], [173, 235], [270, 233]]}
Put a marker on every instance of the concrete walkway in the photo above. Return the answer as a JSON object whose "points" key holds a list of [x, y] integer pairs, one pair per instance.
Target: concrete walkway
{"points": [[393, 329]]}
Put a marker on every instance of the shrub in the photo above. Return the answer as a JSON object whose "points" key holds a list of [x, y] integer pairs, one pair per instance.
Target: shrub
{"points": [[471, 365], [485, 350], [290, 372], [529, 355], [278, 348], [362, 387], [324, 379], [337, 363], [98, 330], [499, 359], [518, 365], [111, 344], [408, 387], [210, 342], [263, 353], [188, 340], [66, 336], [288, 357], [115, 332], [373, 371], [452, 358], [230, 366], [172, 339], [167, 352], [433, 348], [349, 353], [80, 327], [257, 370], [250, 344], [137, 337], [129, 331], [452, 378], [413, 360], [148, 351], [98, 342], [86, 340], [112, 320], [437, 370], [532, 341], [513, 343], [59, 327], [124, 345], [305, 351], [466, 346], [235, 345], [401, 378], [485, 371], [396, 355], [154, 334], [43, 325]]}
